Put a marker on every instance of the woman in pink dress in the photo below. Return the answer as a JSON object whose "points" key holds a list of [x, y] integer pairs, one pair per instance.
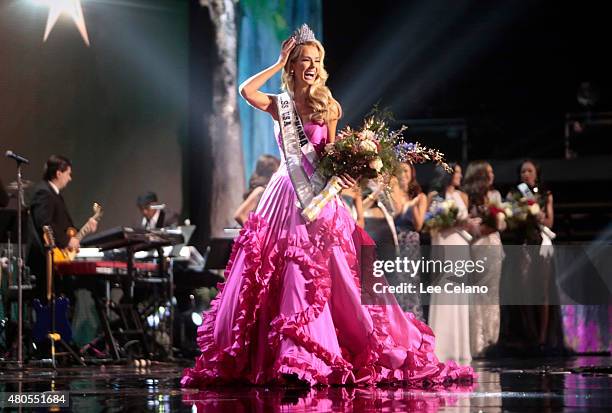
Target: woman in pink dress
{"points": [[290, 308]]}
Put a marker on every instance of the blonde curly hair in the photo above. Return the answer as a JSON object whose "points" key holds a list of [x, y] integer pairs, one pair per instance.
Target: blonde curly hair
{"points": [[320, 100]]}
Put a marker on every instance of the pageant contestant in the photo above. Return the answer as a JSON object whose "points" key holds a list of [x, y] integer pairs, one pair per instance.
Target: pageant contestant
{"points": [[449, 314], [290, 309], [484, 308]]}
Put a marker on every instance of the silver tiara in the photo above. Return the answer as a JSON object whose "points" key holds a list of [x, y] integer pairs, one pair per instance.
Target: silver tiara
{"points": [[303, 34]]}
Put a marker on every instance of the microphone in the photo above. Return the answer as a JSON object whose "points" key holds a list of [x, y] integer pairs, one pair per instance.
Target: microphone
{"points": [[19, 159]]}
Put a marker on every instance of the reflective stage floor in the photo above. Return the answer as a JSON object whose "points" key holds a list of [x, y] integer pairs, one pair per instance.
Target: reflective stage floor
{"points": [[531, 385]]}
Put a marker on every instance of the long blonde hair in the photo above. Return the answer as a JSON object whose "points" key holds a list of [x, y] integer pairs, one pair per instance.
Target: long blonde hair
{"points": [[319, 99]]}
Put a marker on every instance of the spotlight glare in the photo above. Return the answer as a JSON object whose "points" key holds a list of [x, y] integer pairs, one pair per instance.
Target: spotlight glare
{"points": [[196, 318], [153, 321], [70, 8]]}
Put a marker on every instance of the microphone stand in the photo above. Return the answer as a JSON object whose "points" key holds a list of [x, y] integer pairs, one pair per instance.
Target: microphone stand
{"points": [[19, 267]]}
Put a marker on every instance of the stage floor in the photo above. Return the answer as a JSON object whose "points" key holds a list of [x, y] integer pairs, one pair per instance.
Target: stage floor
{"points": [[528, 385]]}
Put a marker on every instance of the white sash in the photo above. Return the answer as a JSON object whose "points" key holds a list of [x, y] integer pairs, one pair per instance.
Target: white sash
{"points": [[295, 144]]}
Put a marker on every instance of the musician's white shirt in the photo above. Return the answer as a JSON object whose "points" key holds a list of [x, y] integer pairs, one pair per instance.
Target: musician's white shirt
{"points": [[55, 188], [153, 222]]}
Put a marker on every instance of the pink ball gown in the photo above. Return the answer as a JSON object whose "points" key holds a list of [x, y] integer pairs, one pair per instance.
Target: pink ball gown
{"points": [[291, 305]]}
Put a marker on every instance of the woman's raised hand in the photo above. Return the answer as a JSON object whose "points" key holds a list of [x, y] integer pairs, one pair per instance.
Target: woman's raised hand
{"points": [[286, 48]]}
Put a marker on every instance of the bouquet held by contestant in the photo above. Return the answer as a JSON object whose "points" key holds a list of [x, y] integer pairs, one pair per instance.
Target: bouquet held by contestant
{"points": [[495, 214], [444, 214], [373, 152], [522, 217]]}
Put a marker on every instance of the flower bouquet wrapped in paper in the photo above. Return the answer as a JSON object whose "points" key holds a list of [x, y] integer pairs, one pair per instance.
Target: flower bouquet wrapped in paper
{"points": [[372, 152]]}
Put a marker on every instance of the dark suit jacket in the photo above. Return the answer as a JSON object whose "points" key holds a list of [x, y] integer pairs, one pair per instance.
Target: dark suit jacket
{"points": [[167, 218], [48, 208]]}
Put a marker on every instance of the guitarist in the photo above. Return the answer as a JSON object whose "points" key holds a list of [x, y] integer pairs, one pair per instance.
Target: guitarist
{"points": [[47, 207]]}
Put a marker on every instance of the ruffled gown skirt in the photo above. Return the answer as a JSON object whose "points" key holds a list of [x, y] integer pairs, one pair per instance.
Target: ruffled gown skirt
{"points": [[291, 305]]}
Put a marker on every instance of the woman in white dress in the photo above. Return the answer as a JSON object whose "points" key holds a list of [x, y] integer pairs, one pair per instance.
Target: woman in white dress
{"points": [[487, 246], [449, 313]]}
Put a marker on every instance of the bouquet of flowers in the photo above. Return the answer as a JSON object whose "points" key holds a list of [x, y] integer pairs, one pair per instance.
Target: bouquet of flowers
{"points": [[495, 214], [444, 214], [523, 217], [372, 152], [523, 211]]}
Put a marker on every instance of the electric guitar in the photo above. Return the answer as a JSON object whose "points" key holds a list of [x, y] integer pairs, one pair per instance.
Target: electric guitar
{"points": [[44, 313], [66, 254]]}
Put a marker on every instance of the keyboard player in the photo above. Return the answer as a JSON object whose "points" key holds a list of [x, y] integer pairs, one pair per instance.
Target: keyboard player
{"points": [[155, 215]]}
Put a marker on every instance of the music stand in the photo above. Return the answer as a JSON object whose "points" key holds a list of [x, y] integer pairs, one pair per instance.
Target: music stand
{"points": [[187, 232]]}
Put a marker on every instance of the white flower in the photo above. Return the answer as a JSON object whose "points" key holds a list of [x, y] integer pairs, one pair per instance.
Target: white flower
{"points": [[368, 146], [368, 134], [447, 205], [329, 147], [376, 164], [534, 209]]}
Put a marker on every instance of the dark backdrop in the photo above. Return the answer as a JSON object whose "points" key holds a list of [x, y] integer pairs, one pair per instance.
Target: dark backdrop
{"points": [[510, 68], [118, 109]]}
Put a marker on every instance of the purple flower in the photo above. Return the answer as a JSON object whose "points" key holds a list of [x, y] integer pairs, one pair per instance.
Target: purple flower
{"points": [[405, 147]]}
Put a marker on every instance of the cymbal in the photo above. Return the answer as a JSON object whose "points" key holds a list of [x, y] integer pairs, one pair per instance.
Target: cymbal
{"points": [[13, 185]]}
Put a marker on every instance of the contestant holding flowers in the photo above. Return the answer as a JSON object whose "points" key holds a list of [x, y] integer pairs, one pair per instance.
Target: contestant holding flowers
{"points": [[535, 329], [485, 203], [447, 220], [291, 309]]}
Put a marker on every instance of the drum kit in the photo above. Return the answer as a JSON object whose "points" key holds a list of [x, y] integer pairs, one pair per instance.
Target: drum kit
{"points": [[18, 192], [12, 187]]}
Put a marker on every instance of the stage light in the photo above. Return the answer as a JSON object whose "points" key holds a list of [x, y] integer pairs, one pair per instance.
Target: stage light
{"points": [[153, 321], [196, 318], [70, 8]]}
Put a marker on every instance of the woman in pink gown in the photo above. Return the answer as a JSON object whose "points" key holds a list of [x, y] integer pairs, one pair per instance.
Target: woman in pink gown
{"points": [[290, 307]]}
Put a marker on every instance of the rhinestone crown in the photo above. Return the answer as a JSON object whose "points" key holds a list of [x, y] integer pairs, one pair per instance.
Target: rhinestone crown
{"points": [[303, 34]]}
